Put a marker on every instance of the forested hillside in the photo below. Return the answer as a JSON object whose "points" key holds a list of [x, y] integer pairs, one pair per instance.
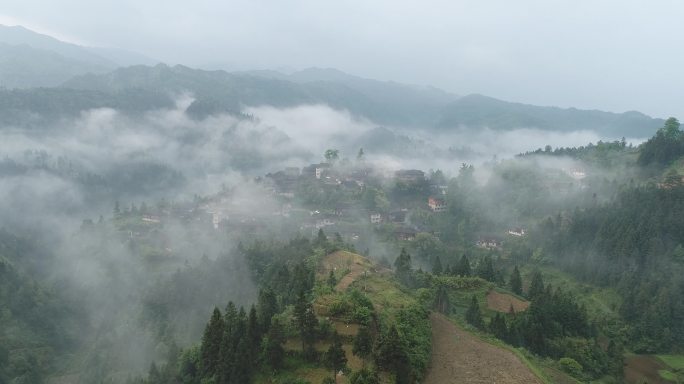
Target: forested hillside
{"points": [[39, 325], [634, 244]]}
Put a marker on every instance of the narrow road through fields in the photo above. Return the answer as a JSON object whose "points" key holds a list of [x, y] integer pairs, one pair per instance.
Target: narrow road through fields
{"points": [[459, 357]]}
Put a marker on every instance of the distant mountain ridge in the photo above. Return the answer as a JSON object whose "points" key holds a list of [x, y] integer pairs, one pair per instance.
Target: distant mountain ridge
{"points": [[478, 110], [29, 59], [23, 66], [220, 91], [385, 103], [18, 35]]}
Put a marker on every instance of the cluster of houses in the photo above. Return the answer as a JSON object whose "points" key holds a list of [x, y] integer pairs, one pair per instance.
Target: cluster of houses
{"points": [[489, 243], [284, 182], [518, 232], [399, 218], [396, 217], [153, 219], [221, 212], [577, 174], [495, 243]]}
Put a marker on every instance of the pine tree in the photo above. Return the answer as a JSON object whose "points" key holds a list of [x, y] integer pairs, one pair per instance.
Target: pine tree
{"points": [[463, 267], [226, 362], [309, 333], [321, 239], [536, 286], [307, 323], [230, 319], [335, 357], [235, 333], [485, 269], [515, 281], [437, 266], [267, 306], [211, 344], [498, 327], [253, 332], [402, 266], [391, 355], [363, 343], [473, 315], [273, 351], [244, 363]]}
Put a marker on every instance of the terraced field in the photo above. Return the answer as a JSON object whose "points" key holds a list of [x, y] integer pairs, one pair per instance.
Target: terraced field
{"points": [[502, 302]]}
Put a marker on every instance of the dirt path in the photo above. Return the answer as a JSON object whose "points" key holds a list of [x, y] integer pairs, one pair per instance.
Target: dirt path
{"points": [[356, 270], [459, 357], [343, 260]]}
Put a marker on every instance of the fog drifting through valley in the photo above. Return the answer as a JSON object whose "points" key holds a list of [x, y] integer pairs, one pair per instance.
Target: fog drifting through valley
{"points": [[58, 176]]}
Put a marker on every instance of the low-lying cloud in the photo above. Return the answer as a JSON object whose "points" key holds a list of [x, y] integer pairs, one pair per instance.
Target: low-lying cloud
{"points": [[54, 178]]}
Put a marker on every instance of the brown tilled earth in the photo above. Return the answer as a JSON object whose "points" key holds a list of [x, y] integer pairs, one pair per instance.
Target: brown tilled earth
{"points": [[459, 357], [644, 369], [501, 302]]}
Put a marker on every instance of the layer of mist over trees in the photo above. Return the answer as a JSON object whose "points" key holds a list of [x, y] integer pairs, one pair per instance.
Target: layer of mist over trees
{"points": [[172, 225]]}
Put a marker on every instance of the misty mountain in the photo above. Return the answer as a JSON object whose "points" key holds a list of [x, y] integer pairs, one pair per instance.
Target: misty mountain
{"points": [[220, 91], [30, 59], [424, 103], [478, 110], [385, 103], [123, 57], [22, 66], [18, 35], [101, 56], [483, 111]]}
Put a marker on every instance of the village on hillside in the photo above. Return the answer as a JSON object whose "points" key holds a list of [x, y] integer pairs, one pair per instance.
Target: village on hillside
{"points": [[358, 203]]}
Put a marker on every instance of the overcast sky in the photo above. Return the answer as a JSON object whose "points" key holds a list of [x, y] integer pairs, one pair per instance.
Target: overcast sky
{"points": [[613, 55]]}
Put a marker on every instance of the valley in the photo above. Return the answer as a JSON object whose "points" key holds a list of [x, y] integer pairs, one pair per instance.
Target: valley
{"points": [[169, 222]]}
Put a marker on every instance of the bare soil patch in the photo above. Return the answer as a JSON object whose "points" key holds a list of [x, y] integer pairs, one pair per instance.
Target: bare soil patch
{"points": [[501, 302], [644, 369], [459, 357]]}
